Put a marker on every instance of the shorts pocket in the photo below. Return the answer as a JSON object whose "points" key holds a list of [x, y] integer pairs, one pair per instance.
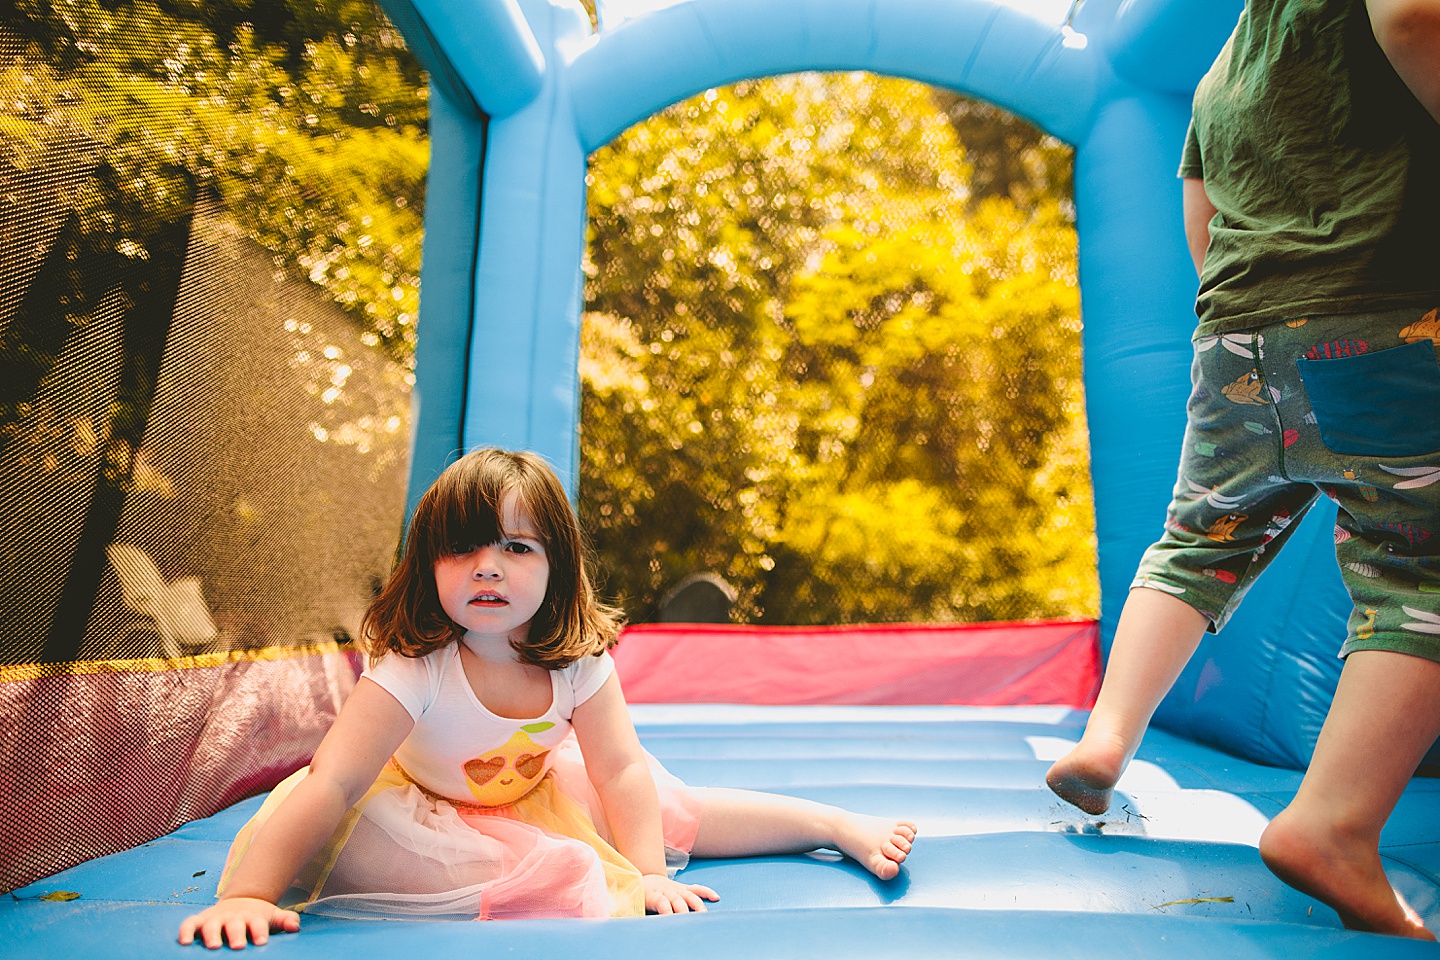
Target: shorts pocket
{"points": [[1381, 404]]}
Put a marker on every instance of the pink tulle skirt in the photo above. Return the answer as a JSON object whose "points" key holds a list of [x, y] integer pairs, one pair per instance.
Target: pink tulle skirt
{"points": [[404, 852]]}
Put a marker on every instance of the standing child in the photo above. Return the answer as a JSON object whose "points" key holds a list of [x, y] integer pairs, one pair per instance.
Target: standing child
{"points": [[451, 784], [1312, 207]]}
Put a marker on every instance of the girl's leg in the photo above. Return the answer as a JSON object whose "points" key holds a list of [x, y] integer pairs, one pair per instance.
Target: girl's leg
{"points": [[1385, 715], [743, 823], [1155, 638]]}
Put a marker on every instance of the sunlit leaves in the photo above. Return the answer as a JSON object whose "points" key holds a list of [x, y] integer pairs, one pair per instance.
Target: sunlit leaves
{"points": [[306, 119], [818, 364]]}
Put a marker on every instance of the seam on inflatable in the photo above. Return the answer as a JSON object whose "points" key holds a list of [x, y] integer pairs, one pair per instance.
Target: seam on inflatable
{"points": [[709, 40], [473, 293], [1047, 53], [1425, 872], [873, 21], [552, 109], [979, 44], [1034, 68]]}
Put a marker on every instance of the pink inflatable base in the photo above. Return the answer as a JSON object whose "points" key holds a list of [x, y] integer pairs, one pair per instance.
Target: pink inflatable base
{"points": [[980, 664]]}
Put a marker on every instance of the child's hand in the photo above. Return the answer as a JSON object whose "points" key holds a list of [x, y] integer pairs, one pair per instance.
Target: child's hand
{"points": [[663, 895], [236, 917]]}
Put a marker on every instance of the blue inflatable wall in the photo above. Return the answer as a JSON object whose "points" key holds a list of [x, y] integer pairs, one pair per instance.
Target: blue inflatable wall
{"points": [[524, 90]]}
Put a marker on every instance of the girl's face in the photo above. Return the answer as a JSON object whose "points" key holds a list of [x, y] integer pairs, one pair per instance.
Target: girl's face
{"points": [[495, 589]]}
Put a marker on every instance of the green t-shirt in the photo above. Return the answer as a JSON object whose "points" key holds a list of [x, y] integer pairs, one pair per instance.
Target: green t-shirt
{"points": [[1323, 166]]}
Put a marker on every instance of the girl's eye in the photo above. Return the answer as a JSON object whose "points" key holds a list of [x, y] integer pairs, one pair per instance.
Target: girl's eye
{"points": [[515, 547]]}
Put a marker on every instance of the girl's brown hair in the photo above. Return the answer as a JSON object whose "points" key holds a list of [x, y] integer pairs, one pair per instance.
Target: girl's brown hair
{"points": [[462, 510]]}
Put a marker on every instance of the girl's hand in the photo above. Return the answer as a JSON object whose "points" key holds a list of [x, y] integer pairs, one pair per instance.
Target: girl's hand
{"points": [[235, 918], [663, 895]]}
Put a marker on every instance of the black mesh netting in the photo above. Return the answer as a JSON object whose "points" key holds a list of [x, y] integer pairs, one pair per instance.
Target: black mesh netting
{"points": [[203, 438]]}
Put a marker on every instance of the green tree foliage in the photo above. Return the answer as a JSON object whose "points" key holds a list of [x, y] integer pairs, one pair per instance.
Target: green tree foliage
{"points": [[1010, 158], [302, 121], [818, 362], [306, 119]]}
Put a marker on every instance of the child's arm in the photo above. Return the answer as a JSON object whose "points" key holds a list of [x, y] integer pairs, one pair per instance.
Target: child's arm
{"points": [[617, 768], [365, 734], [1199, 211], [1409, 33]]}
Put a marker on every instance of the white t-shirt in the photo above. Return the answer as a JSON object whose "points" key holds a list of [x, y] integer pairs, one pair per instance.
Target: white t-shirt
{"points": [[459, 749]]}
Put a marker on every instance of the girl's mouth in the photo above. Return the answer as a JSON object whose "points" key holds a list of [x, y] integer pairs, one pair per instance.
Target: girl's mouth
{"points": [[489, 600]]}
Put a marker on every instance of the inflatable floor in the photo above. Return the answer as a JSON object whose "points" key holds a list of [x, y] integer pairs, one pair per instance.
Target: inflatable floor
{"points": [[1001, 868]]}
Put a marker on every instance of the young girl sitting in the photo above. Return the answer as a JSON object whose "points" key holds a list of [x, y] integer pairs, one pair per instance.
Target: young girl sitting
{"points": [[450, 784]]}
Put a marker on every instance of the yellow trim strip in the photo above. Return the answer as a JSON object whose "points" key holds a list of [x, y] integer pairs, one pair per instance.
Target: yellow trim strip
{"points": [[37, 671]]}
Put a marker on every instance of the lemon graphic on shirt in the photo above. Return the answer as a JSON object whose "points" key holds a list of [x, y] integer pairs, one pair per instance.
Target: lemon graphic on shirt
{"points": [[510, 772]]}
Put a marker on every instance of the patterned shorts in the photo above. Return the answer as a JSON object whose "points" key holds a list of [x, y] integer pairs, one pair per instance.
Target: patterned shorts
{"points": [[1344, 406]]}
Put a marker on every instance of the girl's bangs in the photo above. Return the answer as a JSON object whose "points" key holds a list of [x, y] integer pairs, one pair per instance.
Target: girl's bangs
{"points": [[467, 519]]}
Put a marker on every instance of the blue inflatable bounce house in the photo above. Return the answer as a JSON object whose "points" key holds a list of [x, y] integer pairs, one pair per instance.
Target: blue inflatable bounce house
{"points": [[522, 91]]}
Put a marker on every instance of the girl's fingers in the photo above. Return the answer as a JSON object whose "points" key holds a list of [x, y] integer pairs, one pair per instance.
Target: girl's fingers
{"points": [[675, 897], [235, 931], [218, 927]]}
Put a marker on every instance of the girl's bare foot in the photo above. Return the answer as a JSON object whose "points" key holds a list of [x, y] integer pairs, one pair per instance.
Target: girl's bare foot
{"points": [[1343, 872], [880, 845], [1086, 776]]}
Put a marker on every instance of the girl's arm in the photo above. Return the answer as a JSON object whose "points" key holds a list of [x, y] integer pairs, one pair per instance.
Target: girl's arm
{"points": [[370, 727], [1409, 33], [618, 770]]}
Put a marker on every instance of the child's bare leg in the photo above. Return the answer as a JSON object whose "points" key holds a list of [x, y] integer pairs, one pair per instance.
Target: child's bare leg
{"points": [[743, 823], [1155, 638], [1386, 714]]}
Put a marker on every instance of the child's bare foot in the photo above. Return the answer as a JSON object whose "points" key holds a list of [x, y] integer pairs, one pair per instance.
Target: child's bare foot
{"points": [[1344, 872], [880, 845], [1086, 776]]}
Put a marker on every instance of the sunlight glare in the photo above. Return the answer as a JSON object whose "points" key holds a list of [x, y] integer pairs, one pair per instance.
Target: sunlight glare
{"points": [[612, 13]]}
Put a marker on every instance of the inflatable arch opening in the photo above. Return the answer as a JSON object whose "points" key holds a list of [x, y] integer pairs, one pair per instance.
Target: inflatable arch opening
{"points": [[525, 90]]}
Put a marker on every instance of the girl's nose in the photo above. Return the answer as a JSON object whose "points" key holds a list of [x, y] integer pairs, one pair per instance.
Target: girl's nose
{"points": [[487, 564]]}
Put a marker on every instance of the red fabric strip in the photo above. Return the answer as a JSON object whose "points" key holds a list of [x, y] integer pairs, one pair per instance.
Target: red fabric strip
{"points": [[1039, 662]]}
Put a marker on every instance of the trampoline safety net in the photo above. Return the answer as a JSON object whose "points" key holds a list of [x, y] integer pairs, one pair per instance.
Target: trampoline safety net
{"points": [[209, 250]]}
